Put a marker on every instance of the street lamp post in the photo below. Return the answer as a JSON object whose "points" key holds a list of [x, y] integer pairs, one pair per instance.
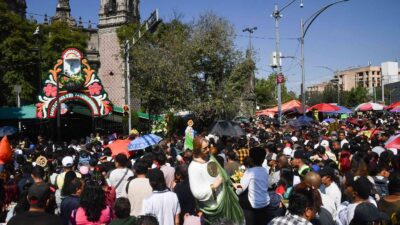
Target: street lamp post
{"points": [[149, 25], [277, 15], [251, 95], [17, 89], [304, 26]]}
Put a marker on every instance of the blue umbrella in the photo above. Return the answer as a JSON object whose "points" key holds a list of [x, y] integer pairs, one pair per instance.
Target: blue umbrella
{"points": [[301, 121], [144, 141], [329, 120], [7, 130]]}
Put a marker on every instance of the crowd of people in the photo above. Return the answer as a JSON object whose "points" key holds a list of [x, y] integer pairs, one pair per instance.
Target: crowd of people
{"points": [[337, 173]]}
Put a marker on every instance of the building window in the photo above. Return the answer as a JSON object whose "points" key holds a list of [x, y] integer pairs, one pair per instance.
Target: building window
{"points": [[373, 72]]}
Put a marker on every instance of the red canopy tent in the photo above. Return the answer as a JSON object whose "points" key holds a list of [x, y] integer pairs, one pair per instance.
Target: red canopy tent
{"points": [[290, 106], [392, 106]]}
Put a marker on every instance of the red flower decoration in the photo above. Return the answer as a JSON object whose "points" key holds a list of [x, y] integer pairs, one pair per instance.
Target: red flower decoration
{"points": [[50, 90], [95, 89], [39, 114]]}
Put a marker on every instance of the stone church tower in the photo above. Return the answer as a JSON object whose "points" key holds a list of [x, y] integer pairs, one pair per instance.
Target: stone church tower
{"points": [[112, 15]]}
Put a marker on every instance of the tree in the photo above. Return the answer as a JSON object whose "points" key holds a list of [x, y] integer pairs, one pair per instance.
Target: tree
{"points": [[160, 67], [17, 62], [215, 60], [19, 58], [266, 92], [357, 96]]}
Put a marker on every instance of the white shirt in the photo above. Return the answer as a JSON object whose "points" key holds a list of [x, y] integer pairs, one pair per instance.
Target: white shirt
{"points": [[328, 203], [255, 179], [334, 192], [115, 176], [200, 182], [164, 205], [342, 142]]}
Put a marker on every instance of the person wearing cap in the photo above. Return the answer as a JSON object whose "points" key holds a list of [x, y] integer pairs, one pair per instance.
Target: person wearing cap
{"points": [[68, 164], [38, 198], [298, 162], [331, 188], [367, 214]]}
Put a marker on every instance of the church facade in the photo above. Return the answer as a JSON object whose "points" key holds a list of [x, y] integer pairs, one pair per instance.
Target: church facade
{"points": [[104, 50]]}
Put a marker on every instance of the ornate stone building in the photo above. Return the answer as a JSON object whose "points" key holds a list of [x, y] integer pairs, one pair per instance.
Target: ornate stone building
{"points": [[104, 50], [112, 15]]}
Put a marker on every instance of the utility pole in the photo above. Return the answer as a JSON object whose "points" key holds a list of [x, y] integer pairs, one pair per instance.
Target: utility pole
{"points": [[149, 25], [17, 89], [304, 26], [277, 62]]}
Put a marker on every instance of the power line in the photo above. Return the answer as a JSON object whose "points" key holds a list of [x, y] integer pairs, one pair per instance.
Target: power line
{"points": [[265, 38]]}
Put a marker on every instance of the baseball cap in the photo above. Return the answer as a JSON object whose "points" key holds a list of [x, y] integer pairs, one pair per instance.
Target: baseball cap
{"points": [[287, 151], [67, 161], [294, 139], [325, 143], [39, 192], [367, 212]]}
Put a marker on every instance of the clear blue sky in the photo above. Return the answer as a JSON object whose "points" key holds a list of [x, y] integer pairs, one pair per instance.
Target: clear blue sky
{"points": [[347, 35]]}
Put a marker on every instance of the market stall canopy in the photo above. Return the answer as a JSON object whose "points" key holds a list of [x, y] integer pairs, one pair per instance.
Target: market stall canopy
{"points": [[227, 128], [301, 122], [369, 106], [290, 106], [324, 107], [393, 105], [24, 112], [393, 142], [342, 110]]}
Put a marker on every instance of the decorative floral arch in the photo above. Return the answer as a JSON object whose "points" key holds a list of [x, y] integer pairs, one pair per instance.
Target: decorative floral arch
{"points": [[85, 87]]}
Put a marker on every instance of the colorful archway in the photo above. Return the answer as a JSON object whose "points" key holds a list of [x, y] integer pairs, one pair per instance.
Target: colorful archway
{"points": [[73, 85]]}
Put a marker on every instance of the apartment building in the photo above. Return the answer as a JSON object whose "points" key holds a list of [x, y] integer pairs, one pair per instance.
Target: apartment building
{"points": [[367, 77], [317, 87]]}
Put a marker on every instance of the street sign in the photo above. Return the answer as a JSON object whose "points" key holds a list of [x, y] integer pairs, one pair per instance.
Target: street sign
{"points": [[280, 78]]}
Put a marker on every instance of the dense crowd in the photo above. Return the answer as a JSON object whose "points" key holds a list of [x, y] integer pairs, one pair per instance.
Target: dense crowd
{"points": [[337, 173]]}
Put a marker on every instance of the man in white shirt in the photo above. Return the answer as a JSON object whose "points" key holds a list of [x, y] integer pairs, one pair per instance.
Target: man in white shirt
{"points": [[331, 189], [163, 203], [342, 138], [314, 180], [139, 188], [119, 176]]}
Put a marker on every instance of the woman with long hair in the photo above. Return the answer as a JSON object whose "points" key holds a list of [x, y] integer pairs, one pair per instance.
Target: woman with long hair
{"points": [[92, 208]]}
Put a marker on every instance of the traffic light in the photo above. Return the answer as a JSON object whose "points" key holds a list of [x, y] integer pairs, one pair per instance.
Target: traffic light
{"points": [[126, 110]]}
